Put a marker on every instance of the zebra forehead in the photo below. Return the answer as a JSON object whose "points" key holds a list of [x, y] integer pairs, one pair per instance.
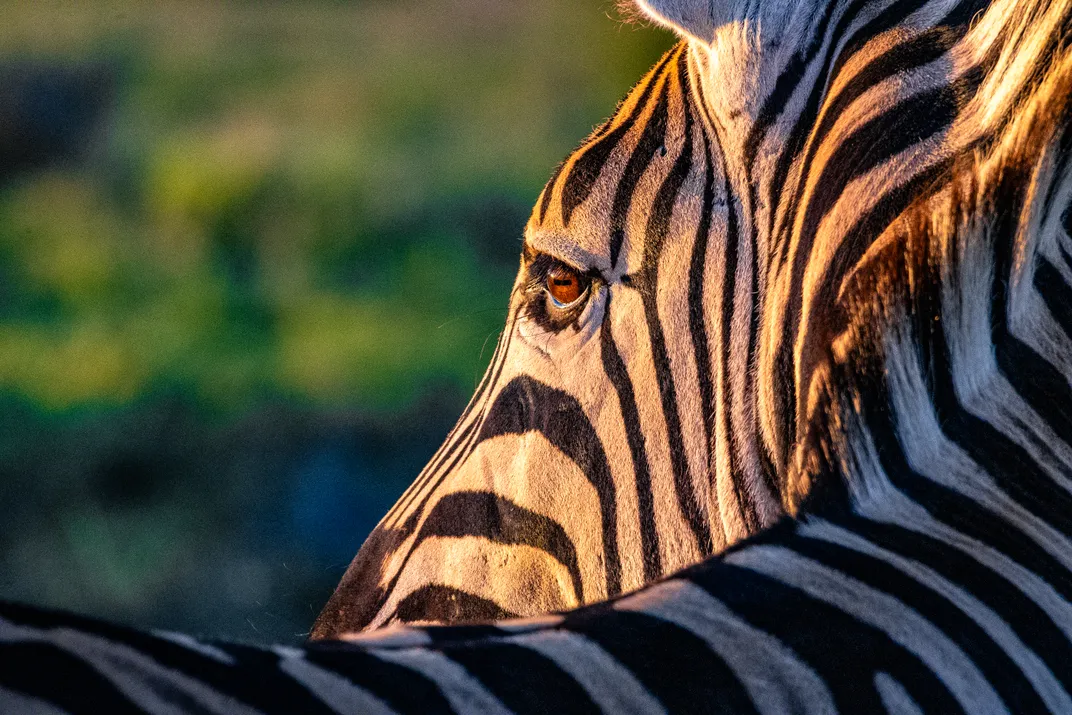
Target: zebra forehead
{"points": [[586, 250], [600, 198]]}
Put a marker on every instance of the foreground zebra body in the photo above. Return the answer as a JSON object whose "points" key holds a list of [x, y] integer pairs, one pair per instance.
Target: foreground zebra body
{"points": [[871, 207]]}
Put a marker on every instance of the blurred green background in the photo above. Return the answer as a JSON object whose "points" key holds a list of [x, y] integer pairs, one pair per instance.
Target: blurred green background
{"points": [[253, 259]]}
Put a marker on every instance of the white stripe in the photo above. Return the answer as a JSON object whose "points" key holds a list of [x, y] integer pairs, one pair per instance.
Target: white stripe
{"points": [[462, 690], [193, 644], [524, 625], [933, 455], [909, 515], [902, 624], [611, 685], [1042, 680], [13, 703], [776, 680], [389, 637], [148, 684], [894, 696], [332, 689]]}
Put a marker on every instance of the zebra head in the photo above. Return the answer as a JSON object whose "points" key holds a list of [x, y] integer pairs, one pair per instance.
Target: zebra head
{"points": [[581, 467], [677, 294], [610, 441]]}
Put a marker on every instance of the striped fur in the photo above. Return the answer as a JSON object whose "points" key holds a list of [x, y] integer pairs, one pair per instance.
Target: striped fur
{"points": [[581, 468], [717, 214], [904, 277]]}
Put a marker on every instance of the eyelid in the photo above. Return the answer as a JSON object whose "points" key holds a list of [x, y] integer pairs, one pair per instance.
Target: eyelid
{"points": [[544, 261], [568, 249], [541, 263]]}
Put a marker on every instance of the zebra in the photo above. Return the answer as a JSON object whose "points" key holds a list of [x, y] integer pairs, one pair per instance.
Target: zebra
{"points": [[649, 396], [897, 179]]}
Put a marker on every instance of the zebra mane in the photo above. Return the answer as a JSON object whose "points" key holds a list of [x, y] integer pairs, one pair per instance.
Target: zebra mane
{"points": [[972, 267]]}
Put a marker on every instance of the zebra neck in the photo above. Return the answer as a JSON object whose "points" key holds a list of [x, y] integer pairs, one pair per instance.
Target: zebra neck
{"points": [[950, 387], [759, 82], [796, 156]]}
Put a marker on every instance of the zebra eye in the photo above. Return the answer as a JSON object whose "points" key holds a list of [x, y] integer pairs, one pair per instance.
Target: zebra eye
{"points": [[564, 285], [556, 293]]}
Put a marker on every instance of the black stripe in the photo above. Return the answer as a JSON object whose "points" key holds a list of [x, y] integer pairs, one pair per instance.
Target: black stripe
{"points": [[1034, 379], [587, 167], [857, 145], [45, 671], [403, 689], [1013, 468], [697, 325], [618, 375], [525, 405], [745, 505], [942, 503], [766, 474], [844, 651], [519, 398], [907, 124], [464, 632], [674, 664], [739, 480], [651, 139], [493, 517], [436, 602], [729, 309], [804, 126], [1055, 42], [1055, 293], [910, 122], [805, 120], [788, 81], [549, 189], [525, 681], [254, 687], [647, 283], [1064, 253], [996, 666], [1029, 622], [1042, 387], [902, 58], [852, 246], [948, 507]]}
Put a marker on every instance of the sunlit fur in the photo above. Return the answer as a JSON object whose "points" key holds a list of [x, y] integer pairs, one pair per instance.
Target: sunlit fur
{"points": [[926, 357], [598, 440], [719, 211]]}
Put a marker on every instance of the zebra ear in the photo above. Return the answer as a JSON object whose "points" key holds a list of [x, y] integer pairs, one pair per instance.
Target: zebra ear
{"points": [[694, 19]]}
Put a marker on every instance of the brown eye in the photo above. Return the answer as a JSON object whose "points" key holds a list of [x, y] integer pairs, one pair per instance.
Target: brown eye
{"points": [[563, 285]]}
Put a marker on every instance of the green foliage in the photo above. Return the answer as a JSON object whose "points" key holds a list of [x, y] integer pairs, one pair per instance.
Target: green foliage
{"points": [[283, 201]]}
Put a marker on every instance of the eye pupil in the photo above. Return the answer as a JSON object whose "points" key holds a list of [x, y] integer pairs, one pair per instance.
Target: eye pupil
{"points": [[563, 285]]}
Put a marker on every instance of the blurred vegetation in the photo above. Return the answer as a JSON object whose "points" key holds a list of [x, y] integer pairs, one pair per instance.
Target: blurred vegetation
{"points": [[253, 257]]}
